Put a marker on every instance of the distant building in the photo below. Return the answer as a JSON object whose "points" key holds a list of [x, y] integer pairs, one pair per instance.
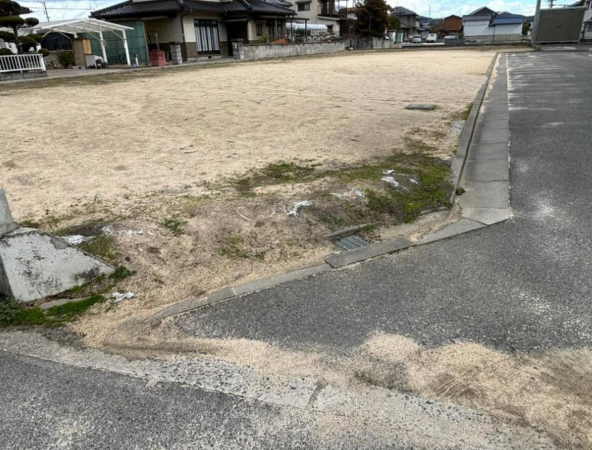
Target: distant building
{"points": [[452, 25], [487, 26], [201, 27], [318, 12], [587, 25], [409, 23]]}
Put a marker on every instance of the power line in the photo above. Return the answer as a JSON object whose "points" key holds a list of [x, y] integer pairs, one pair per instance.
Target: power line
{"points": [[44, 9], [62, 9]]}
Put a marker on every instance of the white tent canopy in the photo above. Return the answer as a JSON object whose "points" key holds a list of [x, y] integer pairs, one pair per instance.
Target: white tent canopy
{"points": [[94, 27], [308, 26]]}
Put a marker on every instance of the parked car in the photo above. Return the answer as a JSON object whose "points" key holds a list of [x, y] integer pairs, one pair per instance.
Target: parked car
{"points": [[432, 37], [416, 39]]}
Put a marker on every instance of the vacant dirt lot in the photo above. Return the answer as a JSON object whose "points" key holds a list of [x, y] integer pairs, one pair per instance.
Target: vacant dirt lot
{"points": [[71, 144], [186, 175]]}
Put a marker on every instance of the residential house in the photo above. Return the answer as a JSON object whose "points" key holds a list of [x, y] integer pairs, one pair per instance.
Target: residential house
{"points": [[203, 28], [587, 22], [409, 23], [452, 26], [487, 26], [9, 45], [318, 12]]}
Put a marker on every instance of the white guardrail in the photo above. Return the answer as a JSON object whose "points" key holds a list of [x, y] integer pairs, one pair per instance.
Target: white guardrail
{"points": [[22, 63]]}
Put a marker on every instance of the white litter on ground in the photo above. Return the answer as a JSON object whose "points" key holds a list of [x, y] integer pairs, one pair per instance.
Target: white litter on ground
{"points": [[394, 183], [109, 231], [297, 206], [413, 180], [77, 239], [350, 195], [456, 127], [389, 172], [119, 296]]}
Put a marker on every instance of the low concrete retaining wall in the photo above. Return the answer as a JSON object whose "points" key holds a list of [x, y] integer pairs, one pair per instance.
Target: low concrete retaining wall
{"points": [[380, 43], [264, 51], [490, 39], [22, 76]]}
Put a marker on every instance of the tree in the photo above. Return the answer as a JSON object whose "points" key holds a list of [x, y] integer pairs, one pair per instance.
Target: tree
{"points": [[372, 18], [10, 17], [526, 27], [394, 23]]}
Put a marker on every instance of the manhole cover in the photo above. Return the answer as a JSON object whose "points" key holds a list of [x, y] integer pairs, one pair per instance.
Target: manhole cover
{"points": [[421, 106], [351, 242]]}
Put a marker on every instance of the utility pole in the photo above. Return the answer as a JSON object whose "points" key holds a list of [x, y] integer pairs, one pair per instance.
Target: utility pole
{"points": [[44, 8], [537, 19]]}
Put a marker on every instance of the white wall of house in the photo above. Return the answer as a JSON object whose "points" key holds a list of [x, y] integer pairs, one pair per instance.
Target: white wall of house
{"points": [[477, 28], [514, 28], [313, 16], [168, 29], [189, 26], [313, 4], [8, 45], [588, 13], [252, 30]]}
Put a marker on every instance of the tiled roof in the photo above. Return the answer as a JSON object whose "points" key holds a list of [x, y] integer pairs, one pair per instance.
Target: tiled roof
{"points": [[135, 9], [401, 11], [129, 9], [197, 5], [506, 18], [261, 6]]}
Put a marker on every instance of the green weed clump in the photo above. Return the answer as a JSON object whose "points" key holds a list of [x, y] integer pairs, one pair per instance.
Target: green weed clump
{"points": [[13, 314]]}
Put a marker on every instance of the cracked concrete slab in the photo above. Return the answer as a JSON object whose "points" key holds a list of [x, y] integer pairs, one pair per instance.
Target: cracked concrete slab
{"points": [[500, 135], [488, 216], [489, 152], [486, 176], [460, 227], [370, 251], [485, 194], [493, 170], [499, 124]]}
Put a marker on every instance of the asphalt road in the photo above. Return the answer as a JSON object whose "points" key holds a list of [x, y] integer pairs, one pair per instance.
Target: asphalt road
{"points": [[50, 405], [521, 285]]}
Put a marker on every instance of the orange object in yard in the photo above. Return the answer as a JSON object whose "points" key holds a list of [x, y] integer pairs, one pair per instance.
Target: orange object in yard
{"points": [[157, 58]]}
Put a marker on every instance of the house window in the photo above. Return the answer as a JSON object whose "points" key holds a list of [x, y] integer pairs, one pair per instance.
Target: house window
{"points": [[206, 36], [303, 6], [330, 28], [259, 29]]}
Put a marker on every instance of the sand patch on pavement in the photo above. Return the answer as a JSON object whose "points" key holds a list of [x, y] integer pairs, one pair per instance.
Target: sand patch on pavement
{"points": [[550, 391]]}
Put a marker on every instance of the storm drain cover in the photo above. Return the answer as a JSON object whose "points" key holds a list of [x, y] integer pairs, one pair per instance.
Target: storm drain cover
{"points": [[421, 106], [351, 242]]}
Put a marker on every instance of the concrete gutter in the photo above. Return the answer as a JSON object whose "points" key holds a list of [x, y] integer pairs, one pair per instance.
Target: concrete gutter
{"points": [[466, 138], [481, 166]]}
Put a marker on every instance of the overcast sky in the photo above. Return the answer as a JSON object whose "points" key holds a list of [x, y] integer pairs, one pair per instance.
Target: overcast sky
{"points": [[59, 9]]}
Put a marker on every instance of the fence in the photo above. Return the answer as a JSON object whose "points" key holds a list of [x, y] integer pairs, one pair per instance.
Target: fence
{"points": [[21, 63], [263, 51]]}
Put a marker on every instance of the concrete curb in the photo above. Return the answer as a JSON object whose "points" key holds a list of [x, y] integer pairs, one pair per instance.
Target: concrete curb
{"points": [[236, 291], [468, 133], [474, 219]]}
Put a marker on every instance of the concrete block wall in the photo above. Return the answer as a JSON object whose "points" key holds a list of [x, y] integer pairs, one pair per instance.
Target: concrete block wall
{"points": [[489, 39], [264, 51], [380, 43], [176, 54]]}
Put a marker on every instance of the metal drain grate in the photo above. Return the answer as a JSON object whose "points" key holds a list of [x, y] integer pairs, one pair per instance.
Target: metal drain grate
{"points": [[351, 242]]}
